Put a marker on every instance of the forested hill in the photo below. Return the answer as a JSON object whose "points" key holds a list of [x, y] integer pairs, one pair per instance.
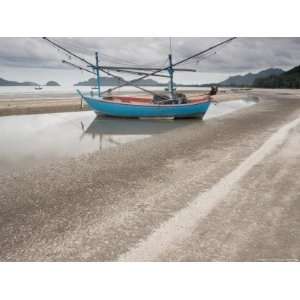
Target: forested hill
{"points": [[248, 79], [4, 82], [289, 79]]}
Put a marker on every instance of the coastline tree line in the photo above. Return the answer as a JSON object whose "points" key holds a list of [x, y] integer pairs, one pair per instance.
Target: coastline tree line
{"points": [[289, 79]]}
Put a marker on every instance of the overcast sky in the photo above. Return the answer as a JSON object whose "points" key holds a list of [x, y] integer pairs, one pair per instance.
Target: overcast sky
{"points": [[34, 59]]}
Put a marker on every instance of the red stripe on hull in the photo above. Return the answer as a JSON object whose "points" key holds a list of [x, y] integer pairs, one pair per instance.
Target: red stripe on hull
{"points": [[129, 99]]}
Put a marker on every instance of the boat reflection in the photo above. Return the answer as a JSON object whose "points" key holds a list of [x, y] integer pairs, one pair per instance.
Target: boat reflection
{"points": [[112, 126], [115, 131]]}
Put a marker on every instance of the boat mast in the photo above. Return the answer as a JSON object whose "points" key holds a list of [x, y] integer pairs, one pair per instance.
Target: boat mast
{"points": [[97, 73], [171, 72]]}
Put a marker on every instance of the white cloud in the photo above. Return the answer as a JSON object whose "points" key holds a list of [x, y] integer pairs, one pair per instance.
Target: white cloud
{"points": [[35, 58]]}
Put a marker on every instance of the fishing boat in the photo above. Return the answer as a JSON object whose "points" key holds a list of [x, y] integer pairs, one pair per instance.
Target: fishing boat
{"points": [[136, 107], [169, 103], [38, 88]]}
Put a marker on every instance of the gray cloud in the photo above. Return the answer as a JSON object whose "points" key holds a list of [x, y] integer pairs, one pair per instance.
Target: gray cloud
{"points": [[242, 55]]}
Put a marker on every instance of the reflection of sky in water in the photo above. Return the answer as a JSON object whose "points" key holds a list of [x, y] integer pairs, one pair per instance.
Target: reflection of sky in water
{"points": [[37, 139]]}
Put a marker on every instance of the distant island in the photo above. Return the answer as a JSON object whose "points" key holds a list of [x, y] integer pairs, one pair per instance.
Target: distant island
{"points": [[110, 81], [4, 82], [52, 83]]}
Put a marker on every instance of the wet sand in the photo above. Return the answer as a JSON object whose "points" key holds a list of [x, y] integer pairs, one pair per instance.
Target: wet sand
{"points": [[17, 107], [72, 104], [133, 202]]}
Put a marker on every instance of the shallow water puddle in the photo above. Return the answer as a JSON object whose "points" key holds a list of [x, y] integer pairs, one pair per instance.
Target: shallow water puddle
{"points": [[223, 108], [35, 139]]}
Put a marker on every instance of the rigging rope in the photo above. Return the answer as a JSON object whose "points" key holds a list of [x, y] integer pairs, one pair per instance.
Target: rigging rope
{"points": [[198, 56], [107, 57]]}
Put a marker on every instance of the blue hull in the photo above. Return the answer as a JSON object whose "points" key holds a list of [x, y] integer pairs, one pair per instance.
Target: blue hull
{"points": [[129, 110]]}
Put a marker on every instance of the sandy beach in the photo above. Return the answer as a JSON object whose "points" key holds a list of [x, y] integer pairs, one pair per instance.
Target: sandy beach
{"points": [[15, 107], [225, 189]]}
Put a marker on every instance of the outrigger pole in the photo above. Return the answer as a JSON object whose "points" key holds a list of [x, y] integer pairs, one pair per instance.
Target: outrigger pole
{"points": [[78, 67], [140, 73], [106, 72], [144, 68], [121, 71], [133, 82], [175, 64], [97, 68]]}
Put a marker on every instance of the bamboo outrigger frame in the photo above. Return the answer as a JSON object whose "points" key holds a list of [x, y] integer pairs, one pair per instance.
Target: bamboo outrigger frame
{"points": [[143, 72]]}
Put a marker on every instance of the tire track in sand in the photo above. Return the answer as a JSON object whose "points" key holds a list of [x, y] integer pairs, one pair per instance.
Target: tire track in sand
{"points": [[182, 224]]}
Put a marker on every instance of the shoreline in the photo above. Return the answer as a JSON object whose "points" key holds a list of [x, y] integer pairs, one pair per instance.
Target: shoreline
{"points": [[27, 107], [40, 106]]}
